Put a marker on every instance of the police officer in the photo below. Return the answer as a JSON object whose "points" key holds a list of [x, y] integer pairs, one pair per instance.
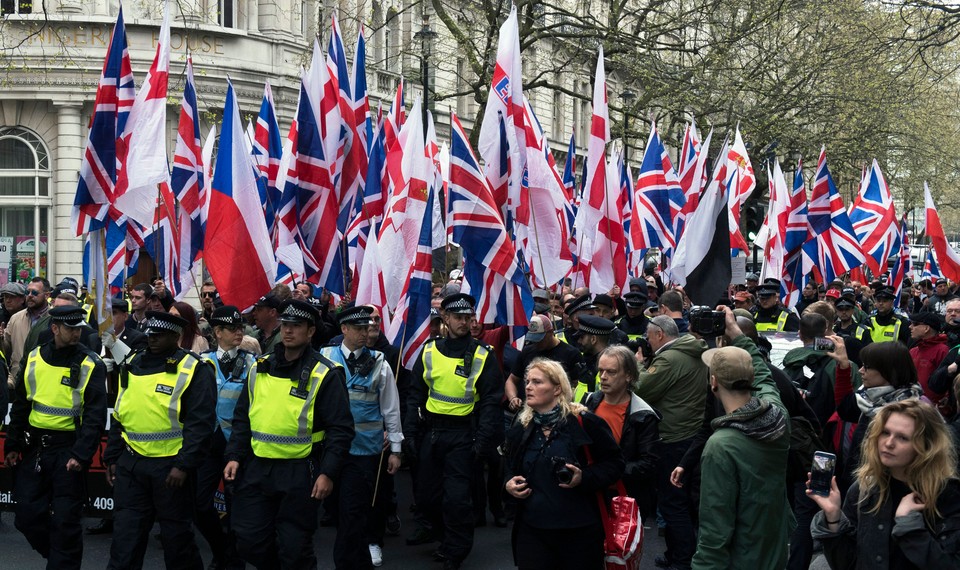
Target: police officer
{"points": [[57, 418], [770, 315], [634, 323], [232, 365], [582, 305], [163, 418], [375, 407], [453, 416], [594, 338], [291, 429], [885, 324]]}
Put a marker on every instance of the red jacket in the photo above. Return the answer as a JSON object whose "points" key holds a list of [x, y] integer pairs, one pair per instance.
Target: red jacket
{"points": [[927, 355]]}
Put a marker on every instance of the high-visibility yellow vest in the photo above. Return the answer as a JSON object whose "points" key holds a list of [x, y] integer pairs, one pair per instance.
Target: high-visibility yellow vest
{"points": [[582, 390], [281, 413], [884, 333], [148, 407], [777, 326], [450, 386], [56, 404]]}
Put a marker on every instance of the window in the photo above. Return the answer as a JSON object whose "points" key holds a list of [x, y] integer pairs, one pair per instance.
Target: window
{"points": [[24, 204], [16, 7], [227, 13], [393, 41]]}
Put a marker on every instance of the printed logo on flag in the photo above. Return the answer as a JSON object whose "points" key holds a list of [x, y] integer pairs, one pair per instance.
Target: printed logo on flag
{"points": [[501, 86]]}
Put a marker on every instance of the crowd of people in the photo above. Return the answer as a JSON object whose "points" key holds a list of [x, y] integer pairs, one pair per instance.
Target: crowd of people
{"points": [[301, 410]]}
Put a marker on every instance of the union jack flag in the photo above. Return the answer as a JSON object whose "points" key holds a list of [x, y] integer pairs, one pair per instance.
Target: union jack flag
{"points": [[692, 174], [902, 265], [163, 243], [795, 235], [874, 219], [267, 151], [931, 269], [111, 108], [839, 249], [369, 204], [491, 269], [410, 327], [187, 184], [658, 199]]}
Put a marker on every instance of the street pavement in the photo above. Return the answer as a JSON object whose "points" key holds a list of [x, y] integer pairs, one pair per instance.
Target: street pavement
{"points": [[491, 549]]}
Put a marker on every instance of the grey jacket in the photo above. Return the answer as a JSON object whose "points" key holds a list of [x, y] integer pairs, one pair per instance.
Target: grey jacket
{"points": [[863, 538]]}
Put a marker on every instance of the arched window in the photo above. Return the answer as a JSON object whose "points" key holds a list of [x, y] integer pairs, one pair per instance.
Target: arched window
{"points": [[24, 204]]}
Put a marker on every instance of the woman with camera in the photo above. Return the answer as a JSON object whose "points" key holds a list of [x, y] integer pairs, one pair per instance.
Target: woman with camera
{"points": [[903, 510], [552, 478], [634, 423]]}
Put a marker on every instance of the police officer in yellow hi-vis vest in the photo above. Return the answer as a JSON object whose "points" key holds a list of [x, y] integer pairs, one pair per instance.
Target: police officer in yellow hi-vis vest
{"points": [[770, 315], [885, 323], [291, 430], [163, 418], [58, 414], [594, 338], [453, 415]]}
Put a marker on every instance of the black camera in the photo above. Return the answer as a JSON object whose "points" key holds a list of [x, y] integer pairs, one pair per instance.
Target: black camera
{"points": [[562, 473], [706, 322]]}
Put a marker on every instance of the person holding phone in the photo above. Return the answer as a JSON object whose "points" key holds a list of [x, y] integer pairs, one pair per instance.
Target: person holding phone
{"points": [[552, 477], [903, 510]]}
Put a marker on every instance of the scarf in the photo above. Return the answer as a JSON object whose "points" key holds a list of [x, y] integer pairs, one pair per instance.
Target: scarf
{"points": [[757, 419], [547, 419], [870, 400]]}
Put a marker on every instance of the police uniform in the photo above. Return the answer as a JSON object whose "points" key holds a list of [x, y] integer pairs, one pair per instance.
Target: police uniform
{"points": [[597, 326], [634, 327], [163, 418], [292, 424], [776, 318], [375, 407], [453, 416], [58, 414], [889, 326], [232, 368]]}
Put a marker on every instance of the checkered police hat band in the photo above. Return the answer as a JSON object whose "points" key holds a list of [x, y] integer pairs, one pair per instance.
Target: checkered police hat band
{"points": [[292, 312], [164, 325], [460, 305], [590, 330]]}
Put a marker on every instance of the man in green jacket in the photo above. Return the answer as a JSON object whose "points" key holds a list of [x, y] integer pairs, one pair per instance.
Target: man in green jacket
{"points": [[745, 520], [674, 382]]}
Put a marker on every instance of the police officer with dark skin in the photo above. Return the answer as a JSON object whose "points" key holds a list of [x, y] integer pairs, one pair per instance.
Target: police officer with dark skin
{"points": [[453, 416], [291, 429], [56, 421], [770, 315], [163, 418], [232, 366], [634, 323]]}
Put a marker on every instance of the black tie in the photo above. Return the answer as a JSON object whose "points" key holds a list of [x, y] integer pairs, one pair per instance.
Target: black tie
{"points": [[352, 363]]}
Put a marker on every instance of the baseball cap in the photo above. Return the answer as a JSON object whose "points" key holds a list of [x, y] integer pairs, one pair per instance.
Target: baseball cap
{"points": [[930, 319], [539, 326], [732, 366]]}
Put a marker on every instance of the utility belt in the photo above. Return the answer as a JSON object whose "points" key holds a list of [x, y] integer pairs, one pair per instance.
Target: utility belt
{"points": [[48, 439], [444, 422]]}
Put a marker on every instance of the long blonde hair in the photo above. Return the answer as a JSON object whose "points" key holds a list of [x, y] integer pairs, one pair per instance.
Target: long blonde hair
{"points": [[557, 376], [934, 465]]}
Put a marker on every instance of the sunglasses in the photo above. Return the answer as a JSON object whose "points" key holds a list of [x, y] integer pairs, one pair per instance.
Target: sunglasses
{"points": [[34, 293], [208, 295]]}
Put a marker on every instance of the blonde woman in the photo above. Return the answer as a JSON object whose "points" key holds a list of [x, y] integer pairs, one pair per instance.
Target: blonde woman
{"points": [[903, 511], [558, 522]]}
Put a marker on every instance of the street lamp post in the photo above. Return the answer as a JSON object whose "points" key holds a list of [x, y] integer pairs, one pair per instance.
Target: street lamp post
{"points": [[426, 37]]}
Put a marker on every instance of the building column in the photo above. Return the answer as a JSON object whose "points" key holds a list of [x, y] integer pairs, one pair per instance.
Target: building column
{"points": [[194, 12], [253, 15], [65, 249]]}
